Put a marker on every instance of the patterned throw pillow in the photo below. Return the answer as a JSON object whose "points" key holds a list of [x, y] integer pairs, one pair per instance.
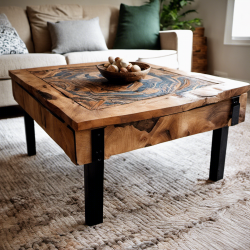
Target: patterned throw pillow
{"points": [[4, 20], [10, 42]]}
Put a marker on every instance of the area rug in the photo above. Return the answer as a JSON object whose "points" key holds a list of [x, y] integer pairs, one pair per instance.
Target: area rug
{"points": [[155, 198]]}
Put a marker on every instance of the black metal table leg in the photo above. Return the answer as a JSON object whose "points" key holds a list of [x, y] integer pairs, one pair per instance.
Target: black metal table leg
{"points": [[93, 180], [218, 153], [219, 143], [30, 134]]}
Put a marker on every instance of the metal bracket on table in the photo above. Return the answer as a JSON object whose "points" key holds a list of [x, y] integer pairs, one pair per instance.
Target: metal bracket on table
{"points": [[97, 141], [235, 110]]}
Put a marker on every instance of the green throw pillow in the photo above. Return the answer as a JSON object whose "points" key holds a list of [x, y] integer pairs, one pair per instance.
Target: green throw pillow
{"points": [[138, 27]]}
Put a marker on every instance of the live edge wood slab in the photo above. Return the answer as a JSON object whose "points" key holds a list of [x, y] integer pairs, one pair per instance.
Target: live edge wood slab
{"points": [[92, 119]]}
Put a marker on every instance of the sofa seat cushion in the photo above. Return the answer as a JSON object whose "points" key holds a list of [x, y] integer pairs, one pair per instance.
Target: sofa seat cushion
{"points": [[12, 62], [6, 95], [98, 56], [167, 58]]}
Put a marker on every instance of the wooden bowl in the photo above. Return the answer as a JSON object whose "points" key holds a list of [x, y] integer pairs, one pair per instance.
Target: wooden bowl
{"points": [[121, 78]]}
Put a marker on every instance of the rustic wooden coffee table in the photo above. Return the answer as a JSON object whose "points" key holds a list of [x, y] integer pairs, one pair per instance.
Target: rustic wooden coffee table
{"points": [[92, 119]]}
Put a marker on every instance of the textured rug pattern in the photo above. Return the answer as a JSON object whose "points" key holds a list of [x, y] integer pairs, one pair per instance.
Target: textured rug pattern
{"points": [[154, 198]]}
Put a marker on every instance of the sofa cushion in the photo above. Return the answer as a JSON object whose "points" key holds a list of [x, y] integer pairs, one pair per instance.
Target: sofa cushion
{"points": [[40, 15], [18, 19], [138, 27], [98, 56], [6, 95], [108, 20], [12, 62], [167, 58], [77, 35]]}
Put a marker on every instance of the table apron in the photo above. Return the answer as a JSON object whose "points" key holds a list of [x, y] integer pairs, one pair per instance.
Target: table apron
{"points": [[130, 136]]}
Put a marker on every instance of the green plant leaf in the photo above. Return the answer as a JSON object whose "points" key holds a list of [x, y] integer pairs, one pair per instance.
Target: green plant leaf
{"points": [[173, 14], [175, 27], [171, 18], [187, 12], [183, 3]]}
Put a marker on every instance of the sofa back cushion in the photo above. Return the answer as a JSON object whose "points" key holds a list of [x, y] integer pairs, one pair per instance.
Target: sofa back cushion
{"points": [[108, 20], [18, 19], [40, 15]]}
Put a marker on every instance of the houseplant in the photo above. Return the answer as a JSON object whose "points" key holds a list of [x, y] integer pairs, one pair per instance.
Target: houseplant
{"points": [[172, 15]]}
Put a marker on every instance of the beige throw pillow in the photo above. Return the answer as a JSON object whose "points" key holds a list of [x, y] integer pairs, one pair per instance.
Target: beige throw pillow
{"points": [[40, 15]]}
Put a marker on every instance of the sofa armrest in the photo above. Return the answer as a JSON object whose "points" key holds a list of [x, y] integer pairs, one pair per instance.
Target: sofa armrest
{"points": [[182, 42]]}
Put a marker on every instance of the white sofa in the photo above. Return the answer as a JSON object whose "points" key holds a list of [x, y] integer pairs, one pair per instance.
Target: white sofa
{"points": [[176, 46]]}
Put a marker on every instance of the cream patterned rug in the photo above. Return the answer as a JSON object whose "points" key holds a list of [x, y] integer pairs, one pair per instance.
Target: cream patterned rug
{"points": [[154, 198]]}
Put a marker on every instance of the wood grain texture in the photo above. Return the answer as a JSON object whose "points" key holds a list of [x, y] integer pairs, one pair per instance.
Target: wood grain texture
{"points": [[55, 128], [199, 31], [83, 147], [87, 87], [119, 139], [243, 106], [130, 136], [199, 59], [100, 114]]}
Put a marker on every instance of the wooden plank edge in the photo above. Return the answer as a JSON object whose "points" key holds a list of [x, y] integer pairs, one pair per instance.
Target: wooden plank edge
{"points": [[140, 134], [185, 104], [55, 127]]}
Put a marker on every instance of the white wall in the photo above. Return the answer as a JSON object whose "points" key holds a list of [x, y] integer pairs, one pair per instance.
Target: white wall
{"points": [[234, 60]]}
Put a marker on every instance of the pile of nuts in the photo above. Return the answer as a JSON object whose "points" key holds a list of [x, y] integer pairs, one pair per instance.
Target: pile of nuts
{"points": [[120, 65]]}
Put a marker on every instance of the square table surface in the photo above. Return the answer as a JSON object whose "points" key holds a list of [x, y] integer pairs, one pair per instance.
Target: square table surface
{"points": [[86, 100]]}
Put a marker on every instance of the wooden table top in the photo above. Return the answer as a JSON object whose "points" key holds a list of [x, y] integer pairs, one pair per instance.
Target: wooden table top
{"points": [[80, 96]]}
